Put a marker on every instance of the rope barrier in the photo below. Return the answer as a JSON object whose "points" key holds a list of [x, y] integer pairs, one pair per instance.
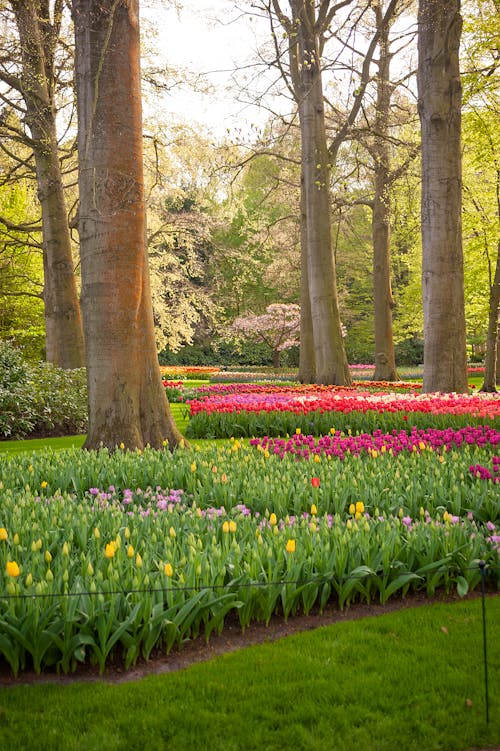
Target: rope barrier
{"points": [[231, 586]]}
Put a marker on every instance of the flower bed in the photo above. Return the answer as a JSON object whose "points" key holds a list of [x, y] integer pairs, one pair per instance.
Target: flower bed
{"points": [[104, 554], [187, 372], [121, 570], [317, 410]]}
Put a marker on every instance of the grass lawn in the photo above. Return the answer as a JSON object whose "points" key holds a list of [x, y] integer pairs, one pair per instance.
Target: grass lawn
{"points": [[405, 681], [33, 444]]}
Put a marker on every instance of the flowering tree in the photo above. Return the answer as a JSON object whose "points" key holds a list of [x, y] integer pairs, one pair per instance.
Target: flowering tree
{"points": [[279, 327]]}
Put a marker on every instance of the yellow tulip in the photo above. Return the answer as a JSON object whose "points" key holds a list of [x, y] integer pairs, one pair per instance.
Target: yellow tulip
{"points": [[232, 526], [130, 551], [193, 467], [352, 508], [44, 484], [12, 569], [65, 549], [273, 520], [48, 556], [110, 549], [122, 445], [360, 507], [314, 510], [97, 534], [225, 527], [138, 561], [169, 571], [290, 546], [15, 539], [3, 534], [172, 532]]}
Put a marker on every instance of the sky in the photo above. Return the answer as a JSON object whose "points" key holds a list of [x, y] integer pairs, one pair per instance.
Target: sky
{"points": [[212, 38]]}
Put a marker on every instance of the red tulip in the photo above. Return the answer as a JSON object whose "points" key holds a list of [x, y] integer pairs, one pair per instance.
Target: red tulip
{"points": [[315, 482]]}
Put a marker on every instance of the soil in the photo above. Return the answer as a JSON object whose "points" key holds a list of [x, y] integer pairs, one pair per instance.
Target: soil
{"points": [[232, 638]]}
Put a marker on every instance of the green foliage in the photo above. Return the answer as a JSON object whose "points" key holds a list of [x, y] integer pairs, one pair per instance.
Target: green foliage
{"points": [[220, 352], [60, 398], [410, 351], [39, 397], [21, 275], [17, 414]]}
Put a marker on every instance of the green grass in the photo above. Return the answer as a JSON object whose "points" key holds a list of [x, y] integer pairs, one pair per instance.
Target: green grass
{"points": [[405, 681], [32, 444]]}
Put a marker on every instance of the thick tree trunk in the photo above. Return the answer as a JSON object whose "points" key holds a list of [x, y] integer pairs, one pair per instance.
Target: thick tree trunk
{"points": [[491, 367], [127, 401], [385, 362], [307, 361], [330, 358], [439, 92], [63, 325]]}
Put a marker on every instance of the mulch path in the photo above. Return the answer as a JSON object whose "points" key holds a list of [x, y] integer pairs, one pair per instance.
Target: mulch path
{"points": [[232, 638]]}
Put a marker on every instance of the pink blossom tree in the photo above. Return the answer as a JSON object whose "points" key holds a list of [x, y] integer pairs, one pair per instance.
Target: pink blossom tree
{"points": [[278, 327]]}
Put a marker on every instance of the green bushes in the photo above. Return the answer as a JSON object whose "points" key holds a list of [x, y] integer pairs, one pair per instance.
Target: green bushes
{"points": [[39, 398]]}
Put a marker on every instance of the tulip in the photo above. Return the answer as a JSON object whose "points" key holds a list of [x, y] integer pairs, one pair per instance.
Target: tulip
{"points": [[290, 546], [12, 569], [3, 534], [168, 570]]}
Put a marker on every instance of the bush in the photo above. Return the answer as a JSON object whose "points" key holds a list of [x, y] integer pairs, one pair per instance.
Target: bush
{"points": [[39, 398], [60, 398], [410, 351], [17, 414]]}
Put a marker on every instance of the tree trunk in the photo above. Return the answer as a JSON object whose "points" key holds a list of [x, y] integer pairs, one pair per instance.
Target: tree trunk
{"points": [[307, 362], [330, 358], [63, 325], [439, 93], [385, 362], [491, 371], [127, 401]]}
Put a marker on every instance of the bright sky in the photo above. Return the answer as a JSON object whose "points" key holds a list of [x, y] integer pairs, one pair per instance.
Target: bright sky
{"points": [[209, 37]]}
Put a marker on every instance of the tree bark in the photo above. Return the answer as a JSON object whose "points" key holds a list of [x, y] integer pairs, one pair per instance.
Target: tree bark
{"points": [[385, 362], [491, 372], [127, 402], [439, 93], [307, 360], [63, 324], [330, 358]]}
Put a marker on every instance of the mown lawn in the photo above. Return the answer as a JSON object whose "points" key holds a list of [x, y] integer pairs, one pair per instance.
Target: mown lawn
{"points": [[405, 681]]}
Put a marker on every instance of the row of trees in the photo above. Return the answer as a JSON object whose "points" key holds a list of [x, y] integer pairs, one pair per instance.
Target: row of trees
{"points": [[124, 387]]}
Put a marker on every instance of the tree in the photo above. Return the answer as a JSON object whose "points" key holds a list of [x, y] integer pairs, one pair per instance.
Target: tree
{"points": [[481, 134], [439, 93], [278, 327], [38, 26], [305, 34], [127, 402]]}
